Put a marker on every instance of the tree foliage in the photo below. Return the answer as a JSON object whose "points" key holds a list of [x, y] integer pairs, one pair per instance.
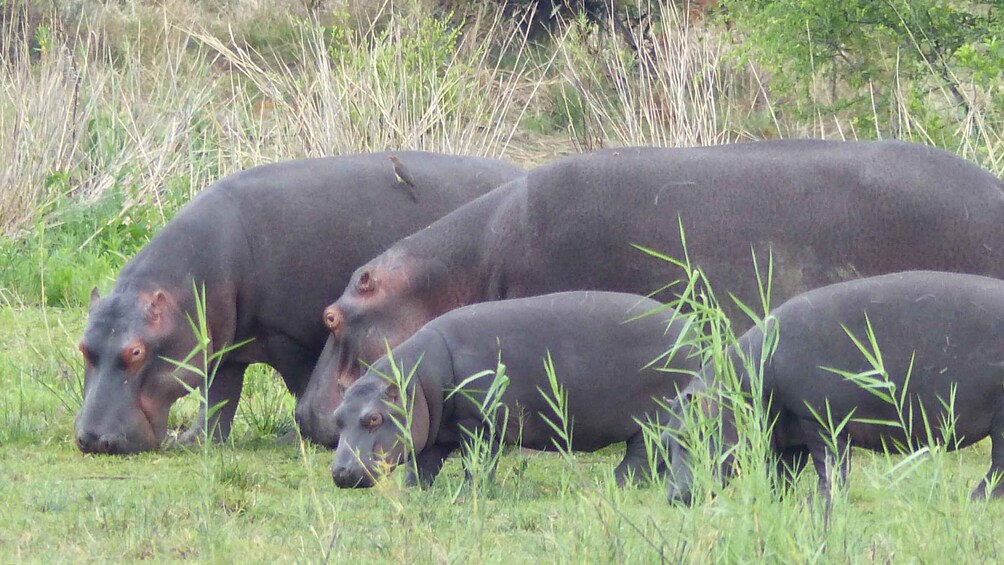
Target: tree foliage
{"points": [[856, 53]]}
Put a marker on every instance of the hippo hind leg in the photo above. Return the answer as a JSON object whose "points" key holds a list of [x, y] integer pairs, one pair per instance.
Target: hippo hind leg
{"points": [[635, 465], [826, 459], [790, 462], [995, 476]]}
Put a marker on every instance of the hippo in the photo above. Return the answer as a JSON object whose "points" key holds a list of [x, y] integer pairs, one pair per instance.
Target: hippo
{"points": [[823, 211], [617, 365], [271, 246], [941, 339]]}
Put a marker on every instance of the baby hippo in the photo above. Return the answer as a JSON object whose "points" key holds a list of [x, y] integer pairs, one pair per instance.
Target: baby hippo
{"points": [[616, 371], [941, 340]]}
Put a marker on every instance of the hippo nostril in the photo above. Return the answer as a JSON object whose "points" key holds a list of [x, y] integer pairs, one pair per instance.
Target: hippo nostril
{"points": [[85, 441], [104, 445], [109, 444]]}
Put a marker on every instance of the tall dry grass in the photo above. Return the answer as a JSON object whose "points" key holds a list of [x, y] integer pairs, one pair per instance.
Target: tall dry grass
{"points": [[667, 83], [176, 100], [133, 97]]}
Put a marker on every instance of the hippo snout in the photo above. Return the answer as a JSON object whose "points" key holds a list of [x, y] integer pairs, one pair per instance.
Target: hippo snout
{"points": [[104, 443], [350, 477]]}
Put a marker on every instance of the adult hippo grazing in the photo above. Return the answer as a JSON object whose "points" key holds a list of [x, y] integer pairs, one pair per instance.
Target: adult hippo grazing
{"points": [[272, 245], [941, 339], [615, 371], [828, 211]]}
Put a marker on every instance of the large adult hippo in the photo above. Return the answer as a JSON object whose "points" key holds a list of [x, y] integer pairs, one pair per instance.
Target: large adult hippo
{"points": [[828, 211], [941, 339], [272, 245], [611, 362]]}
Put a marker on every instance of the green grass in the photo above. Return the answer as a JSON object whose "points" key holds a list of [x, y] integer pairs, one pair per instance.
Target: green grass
{"points": [[273, 501]]}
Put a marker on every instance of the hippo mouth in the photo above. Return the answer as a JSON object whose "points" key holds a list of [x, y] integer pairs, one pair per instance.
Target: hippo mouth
{"points": [[352, 480]]}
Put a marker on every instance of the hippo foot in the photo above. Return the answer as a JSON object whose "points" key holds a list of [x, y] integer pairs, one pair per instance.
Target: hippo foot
{"points": [[188, 438], [632, 473], [291, 437], [980, 492]]}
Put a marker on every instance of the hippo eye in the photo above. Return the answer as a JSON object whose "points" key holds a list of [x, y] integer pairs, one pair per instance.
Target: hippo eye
{"points": [[133, 355], [89, 358], [372, 420]]}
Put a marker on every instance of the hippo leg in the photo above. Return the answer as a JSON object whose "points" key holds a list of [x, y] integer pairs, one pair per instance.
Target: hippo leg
{"points": [[293, 362], [635, 465], [996, 472], [790, 462], [226, 389], [492, 457], [428, 463], [825, 461]]}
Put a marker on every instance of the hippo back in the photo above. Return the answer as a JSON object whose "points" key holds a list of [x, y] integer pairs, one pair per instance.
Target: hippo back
{"points": [[823, 211]]}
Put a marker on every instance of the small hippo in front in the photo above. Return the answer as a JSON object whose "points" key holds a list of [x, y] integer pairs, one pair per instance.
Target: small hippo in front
{"points": [[616, 371], [944, 330]]}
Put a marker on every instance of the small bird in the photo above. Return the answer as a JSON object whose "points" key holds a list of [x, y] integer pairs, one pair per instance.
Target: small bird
{"points": [[403, 177]]}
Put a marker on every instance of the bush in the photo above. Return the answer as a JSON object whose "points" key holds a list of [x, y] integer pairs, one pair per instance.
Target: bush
{"points": [[888, 67]]}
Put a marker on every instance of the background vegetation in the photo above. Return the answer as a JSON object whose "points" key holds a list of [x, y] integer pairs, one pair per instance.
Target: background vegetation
{"points": [[113, 114]]}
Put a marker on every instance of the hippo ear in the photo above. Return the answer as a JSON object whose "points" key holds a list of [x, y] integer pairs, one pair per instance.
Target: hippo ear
{"points": [[366, 282], [156, 305], [392, 393], [95, 296]]}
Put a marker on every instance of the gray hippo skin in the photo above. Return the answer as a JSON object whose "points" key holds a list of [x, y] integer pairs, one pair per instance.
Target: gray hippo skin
{"points": [[828, 211], [272, 246], [954, 326], [600, 358]]}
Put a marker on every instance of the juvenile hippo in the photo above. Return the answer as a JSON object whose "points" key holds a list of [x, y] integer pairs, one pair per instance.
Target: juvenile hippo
{"points": [[272, 245], [948, 327], [615, 370], [827, 211]]}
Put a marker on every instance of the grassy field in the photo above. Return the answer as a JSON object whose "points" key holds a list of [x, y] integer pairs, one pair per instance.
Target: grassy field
{"points": [[114, 114], [261, 499]]}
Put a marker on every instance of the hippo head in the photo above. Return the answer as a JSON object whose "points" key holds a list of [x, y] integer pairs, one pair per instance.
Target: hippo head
{"points": [[386, 302], [371, 423], [128, 385], [695, 407]]}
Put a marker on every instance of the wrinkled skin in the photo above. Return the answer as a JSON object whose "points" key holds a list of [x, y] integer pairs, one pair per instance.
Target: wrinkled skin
{"points": [[272, 246], [950, 327], [599, 357], [825, 212]]}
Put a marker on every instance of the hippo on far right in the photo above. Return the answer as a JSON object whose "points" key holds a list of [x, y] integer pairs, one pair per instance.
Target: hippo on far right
{"points": [[945, 330]]}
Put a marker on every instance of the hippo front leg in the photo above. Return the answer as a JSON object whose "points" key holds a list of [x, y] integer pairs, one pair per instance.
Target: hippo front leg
{"points": [[225, 392], [995, 476], [489, 458], [427, 465], [635, 464]]}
